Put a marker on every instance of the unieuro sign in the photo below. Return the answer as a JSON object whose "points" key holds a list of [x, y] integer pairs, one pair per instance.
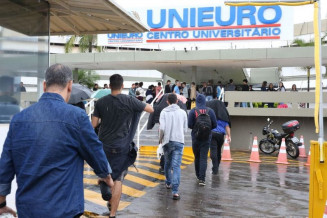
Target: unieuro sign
{"points": [[211, 16], [209, 24]]}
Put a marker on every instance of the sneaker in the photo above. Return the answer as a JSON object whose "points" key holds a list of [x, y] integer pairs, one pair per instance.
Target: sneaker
{"points": [[202, 183], [168, 186], [214, 173], [176, 197]]}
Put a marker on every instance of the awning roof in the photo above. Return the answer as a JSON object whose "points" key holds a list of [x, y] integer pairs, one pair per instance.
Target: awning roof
{"points": [[91, 17], [73, 17]]}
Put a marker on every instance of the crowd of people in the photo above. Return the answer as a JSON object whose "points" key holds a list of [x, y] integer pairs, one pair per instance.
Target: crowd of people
{"points": [[48, 142]]}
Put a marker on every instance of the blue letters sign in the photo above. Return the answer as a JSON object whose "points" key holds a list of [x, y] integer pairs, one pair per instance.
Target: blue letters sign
{"points": [[205, 24]]}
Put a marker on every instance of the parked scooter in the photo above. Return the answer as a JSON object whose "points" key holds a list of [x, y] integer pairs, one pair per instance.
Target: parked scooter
{"points": [[273, 139]]}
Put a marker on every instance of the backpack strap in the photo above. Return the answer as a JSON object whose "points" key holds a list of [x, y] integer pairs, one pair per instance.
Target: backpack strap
{"points": [[198, 112]]}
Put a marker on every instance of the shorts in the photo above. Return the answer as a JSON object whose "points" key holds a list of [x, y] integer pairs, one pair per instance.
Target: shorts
{"points": [[122, 176]]}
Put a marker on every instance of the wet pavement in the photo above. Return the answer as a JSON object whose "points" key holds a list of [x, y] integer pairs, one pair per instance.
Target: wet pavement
{"points": [[241, 189]]}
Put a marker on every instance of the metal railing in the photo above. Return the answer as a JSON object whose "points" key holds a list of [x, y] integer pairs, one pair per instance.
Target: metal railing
{"points": [[139, 130], [89, 106]]}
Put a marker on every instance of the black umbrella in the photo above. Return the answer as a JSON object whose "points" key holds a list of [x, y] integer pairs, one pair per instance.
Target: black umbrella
{"points": [[79, 93], [220, 110], [158, 107]]}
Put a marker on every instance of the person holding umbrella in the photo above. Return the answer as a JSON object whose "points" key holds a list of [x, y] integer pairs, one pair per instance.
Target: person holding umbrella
{"points": [[78, 95], [218, 133]]}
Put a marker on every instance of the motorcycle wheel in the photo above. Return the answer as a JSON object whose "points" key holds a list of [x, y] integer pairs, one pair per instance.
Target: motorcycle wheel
{"points": [[292, 150], [266, 146]]}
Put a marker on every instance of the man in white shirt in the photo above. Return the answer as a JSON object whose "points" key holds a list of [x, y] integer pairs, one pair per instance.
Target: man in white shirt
{"points": [[173, 124]]}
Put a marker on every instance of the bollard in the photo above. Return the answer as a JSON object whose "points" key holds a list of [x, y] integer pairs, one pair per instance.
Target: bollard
{"points": [[318, 181]]}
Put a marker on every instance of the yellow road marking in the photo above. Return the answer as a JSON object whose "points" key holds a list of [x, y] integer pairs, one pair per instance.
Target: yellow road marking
{"points": [[156, 160], [148, 173], [126, 189], [89, 173], [141, 181], [132, 178], [96, 198], [152, 166]]}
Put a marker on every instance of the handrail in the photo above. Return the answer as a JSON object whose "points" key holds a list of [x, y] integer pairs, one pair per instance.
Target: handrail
{"points": [[139, 131], [89, 105], [222, 95]]}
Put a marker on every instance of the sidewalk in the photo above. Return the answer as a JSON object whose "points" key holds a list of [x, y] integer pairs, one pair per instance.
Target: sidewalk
{"points": [[240, 190]]}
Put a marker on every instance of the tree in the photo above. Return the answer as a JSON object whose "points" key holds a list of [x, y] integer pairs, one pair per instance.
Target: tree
{"points": [[86, 43], [87, 78]]}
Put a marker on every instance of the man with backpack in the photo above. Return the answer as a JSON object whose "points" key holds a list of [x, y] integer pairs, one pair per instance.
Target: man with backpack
{"points": [[201, 120]]}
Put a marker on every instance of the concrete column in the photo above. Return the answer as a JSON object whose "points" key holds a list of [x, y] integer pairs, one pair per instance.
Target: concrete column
{"points": [[75, 75], [194, 74]]}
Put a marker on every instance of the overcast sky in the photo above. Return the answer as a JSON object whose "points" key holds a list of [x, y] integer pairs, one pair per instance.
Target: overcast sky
{"points": [[301, 13]]}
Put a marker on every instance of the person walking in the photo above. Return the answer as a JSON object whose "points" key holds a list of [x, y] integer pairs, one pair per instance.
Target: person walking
{"points": [[209, 92], [21, 87], [230, 86], [176, 88], [201, 120], [45, 149], [245, 88], [119, 116], [141, 90], [167, 87], [175, 84], [173, 124], [95, 87], [132, 90], [158, 88], [218, 134], [218, 90]]}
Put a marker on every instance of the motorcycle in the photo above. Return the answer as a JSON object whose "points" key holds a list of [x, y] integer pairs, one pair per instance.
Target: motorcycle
{"points": [[273, 139]]}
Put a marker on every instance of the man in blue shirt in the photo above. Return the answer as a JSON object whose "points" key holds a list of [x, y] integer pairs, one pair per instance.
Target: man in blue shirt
{"points": [[45, 148], [176, 88]]}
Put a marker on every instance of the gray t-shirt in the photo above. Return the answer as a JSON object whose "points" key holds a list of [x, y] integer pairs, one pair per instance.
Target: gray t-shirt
{"points": [[116, 113]]}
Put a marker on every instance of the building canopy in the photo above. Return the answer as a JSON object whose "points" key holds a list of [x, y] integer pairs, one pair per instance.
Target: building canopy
{"points": [[74, 17]]}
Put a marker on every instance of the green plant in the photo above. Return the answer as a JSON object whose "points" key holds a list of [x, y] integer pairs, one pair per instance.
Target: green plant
{"points": [[87, 78], [86, 43], [302, 43]]}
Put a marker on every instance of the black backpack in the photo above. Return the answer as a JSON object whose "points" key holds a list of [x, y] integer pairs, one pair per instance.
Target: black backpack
{"points": [[209, 90], [202, 127]]}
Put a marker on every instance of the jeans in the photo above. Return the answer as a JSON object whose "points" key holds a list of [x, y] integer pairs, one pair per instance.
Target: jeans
{"points": [[200, 150], [217, 142], [173, 157], [209, 98]]}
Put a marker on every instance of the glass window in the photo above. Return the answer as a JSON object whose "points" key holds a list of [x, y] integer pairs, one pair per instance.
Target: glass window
{"points": [[24, 54]]}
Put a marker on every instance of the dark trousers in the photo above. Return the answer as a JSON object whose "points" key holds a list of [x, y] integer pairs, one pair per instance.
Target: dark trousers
{"points": [[200, 151], [217, 142], [162, 162]]}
